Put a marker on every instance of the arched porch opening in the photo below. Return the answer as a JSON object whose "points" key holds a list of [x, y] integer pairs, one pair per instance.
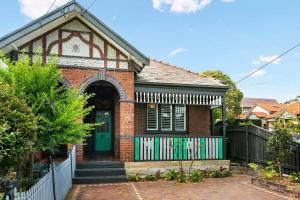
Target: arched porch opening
{"points": [[103, 142]]}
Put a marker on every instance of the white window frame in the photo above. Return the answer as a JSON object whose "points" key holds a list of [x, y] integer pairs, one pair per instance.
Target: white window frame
{"points": [[185, 113], [171, 118], [151, 129]]}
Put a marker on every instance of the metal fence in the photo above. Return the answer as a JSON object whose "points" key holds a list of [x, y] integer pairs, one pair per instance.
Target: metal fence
{"points": [[249, 144], [166, 147], [43, 189]]}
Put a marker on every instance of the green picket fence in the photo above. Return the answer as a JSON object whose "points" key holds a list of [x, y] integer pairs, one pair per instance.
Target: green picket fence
{"points": [[157, 148]]}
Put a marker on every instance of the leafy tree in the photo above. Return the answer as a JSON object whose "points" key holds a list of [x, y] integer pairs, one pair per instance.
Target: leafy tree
{"points": [[280, 143], [59, 111], [17, 130], [233, 96]]}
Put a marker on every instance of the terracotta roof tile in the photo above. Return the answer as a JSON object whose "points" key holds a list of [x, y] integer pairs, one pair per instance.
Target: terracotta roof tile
{"points": [[160, 72], [271, 107], [260, 114], [294, 108], [249, 102]]}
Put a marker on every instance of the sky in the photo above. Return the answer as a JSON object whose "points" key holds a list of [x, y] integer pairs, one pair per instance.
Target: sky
{"points": [[234, 36]]}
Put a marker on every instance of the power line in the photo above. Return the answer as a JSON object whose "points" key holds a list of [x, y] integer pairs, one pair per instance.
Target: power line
{"points": [[265, 65], [88, 7], [51, 6]]}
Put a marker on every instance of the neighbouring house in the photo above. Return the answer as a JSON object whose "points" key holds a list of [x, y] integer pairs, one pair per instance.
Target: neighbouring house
{"points": [[247, 103], [294, 107], [268, 113], [152, 110]]}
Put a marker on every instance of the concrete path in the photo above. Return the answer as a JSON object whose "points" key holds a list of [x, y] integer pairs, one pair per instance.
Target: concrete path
{"points": [[232, 188]]}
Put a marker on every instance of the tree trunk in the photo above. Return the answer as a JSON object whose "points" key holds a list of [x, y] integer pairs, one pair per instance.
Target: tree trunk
{"points": [[279, 169]]}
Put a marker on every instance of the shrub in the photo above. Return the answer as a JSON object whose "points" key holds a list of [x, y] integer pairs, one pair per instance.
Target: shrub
{"points": [[134, 177], [181, 177], [150, 177], [295, 177], [269, 171], [227, 173], [196, 176], [17, 130], [253, 166], [171, 174], [216, 174]]}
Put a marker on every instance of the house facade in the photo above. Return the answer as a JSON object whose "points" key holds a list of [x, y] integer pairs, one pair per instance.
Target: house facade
{"points": [[151, 110], [247, 103], [268, 113]]}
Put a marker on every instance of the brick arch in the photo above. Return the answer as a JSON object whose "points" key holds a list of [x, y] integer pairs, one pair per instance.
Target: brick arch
{"points": [[104, 77], [66, 83]]}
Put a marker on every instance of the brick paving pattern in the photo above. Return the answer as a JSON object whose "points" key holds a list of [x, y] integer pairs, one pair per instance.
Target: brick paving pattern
{"points": [[232, 188]]}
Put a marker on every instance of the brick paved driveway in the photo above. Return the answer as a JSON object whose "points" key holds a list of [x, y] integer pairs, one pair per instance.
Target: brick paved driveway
{"points": [[232, 188]]}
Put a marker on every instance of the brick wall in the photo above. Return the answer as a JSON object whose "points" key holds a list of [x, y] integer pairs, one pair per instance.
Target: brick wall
{"points": [[126, 131], [124, 110], [199, 120], [139, 118]]}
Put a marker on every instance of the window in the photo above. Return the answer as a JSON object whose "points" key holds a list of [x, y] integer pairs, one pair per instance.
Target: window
{"points": [[152, 117], [166, 117], [180, 117]]}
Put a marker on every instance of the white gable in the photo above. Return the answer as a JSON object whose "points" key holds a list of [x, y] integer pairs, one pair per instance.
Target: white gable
{"points": [[260, 109]]}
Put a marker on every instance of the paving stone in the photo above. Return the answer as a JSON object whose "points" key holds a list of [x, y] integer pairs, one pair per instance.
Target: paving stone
{"points": [[233, 188]]}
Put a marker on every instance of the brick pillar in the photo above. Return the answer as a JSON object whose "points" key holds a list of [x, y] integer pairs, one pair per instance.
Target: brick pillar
{"points": [[117, 131], [79, 153], [126, 131]]}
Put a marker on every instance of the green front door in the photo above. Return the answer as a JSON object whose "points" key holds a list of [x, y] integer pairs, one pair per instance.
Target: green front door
{"points": [[103, 132]]}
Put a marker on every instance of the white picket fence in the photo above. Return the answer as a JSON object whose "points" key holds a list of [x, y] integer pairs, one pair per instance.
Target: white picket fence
{"points": [[43, 189]]}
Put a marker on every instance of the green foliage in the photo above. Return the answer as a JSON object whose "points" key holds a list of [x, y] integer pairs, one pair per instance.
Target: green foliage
{"points": [[233, 96], [280, 143], [59, 111], [221, 173], [17, 129], [171, 174], [253, 166], [181, 177], [295, 177], [150, 177], [216, 174], [134, 177], [269, 172], [196, 176]]}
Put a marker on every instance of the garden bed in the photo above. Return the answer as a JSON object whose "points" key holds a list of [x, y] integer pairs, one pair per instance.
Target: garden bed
{"points": [[282, 185]]}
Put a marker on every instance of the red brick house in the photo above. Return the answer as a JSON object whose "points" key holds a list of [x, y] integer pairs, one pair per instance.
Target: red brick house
{"points": [[152, 110]]}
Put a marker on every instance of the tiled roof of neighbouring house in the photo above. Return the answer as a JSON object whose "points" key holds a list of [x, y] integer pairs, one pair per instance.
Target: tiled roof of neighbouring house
{"points": [[271, 107], [293, 108], [249, 102], [162, 73]]}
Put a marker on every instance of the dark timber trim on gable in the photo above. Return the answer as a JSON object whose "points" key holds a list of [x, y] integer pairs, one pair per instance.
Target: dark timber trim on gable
{"points": [[73, 6]]}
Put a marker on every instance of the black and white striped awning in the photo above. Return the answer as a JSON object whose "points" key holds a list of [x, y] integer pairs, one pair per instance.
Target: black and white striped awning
{"points": [[171, 98]]}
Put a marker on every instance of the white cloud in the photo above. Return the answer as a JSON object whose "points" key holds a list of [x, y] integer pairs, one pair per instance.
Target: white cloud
{"points": [[267, 59], [177, 51], [228, 1], [37, 8], [260, 72], [181, 6], [255, 62]]}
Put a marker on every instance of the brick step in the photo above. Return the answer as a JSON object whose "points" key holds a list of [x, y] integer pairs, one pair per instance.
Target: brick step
{"points": [[99, 179], [97, 165], [100, 172]]}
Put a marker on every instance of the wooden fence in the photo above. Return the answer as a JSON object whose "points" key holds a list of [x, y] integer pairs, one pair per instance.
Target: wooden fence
{"points": [[166, 147], [43, 189], [249, 144]]}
